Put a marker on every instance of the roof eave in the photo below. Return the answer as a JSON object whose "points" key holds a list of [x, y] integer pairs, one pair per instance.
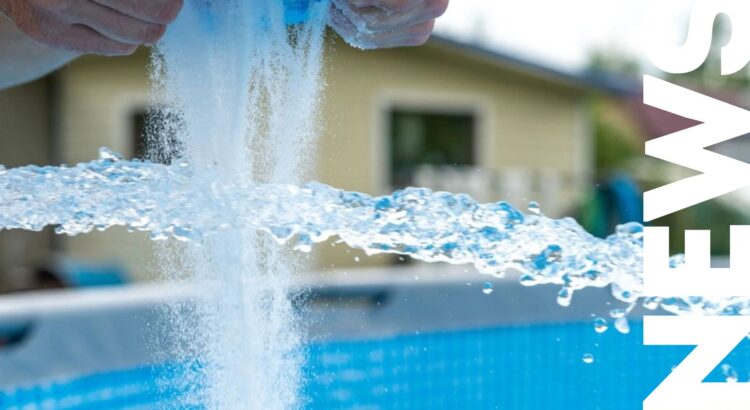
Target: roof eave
{"points": [[588, 81]]}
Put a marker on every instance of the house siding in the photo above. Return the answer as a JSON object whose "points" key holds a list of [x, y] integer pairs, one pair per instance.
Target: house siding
{"points": [[526, 122]]}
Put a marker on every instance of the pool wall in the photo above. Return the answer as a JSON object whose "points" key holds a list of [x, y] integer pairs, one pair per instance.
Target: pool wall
{"points": [[380, 343]]}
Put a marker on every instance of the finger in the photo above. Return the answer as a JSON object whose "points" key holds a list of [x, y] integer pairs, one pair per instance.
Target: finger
{"points": [[115, 25], [377, 19], [397, 41], [409, 36], [87, 40], [353, 35], [52, 32], [396, 6], [342, 13], [343, 26], [416, 35], [152, 11]]}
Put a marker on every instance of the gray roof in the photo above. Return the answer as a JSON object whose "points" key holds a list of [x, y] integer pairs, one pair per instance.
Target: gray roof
{"points": [[585, 79]]}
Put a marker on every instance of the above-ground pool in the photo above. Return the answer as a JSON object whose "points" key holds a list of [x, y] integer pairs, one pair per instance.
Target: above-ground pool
{"points": [[518, 367], [431, 345]]}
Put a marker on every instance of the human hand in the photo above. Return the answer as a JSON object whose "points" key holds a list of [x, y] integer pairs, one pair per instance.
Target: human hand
{"points": [[106, 27], [385, 23]]}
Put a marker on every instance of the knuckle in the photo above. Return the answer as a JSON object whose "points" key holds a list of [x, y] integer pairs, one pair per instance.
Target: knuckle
{"points": [[422, 29], [28, 21], [118, 50], [57, 8], [167, 12], [49, 5], [36, 31], [154, 33], [437, 8], [27, 26], [400, 6], [394, 6], [128, 50], [416, 41]]}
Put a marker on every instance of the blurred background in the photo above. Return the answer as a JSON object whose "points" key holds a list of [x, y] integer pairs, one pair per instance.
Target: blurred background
{"points": [[504, 103]]}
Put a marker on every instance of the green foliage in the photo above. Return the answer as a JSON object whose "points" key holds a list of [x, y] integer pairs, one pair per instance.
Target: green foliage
{"points": [[617, 150], [614, 147]]}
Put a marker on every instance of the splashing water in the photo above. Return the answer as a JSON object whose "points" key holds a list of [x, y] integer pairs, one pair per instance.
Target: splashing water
{"points": [[175, 201]]}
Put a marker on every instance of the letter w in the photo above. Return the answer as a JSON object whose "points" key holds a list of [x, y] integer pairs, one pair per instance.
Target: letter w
{"points": [[719, 174]]}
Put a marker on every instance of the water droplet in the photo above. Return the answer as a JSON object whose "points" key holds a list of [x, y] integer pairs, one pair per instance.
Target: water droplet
{"points": [[282, 233], [564, 297], [616, 313], [108, 155], [487, 289], [676, 261], [182, 234], [304, 243], [600, 325], [633, 229], [527, 280], [534, 208], [158, 236], [622, 325], [730, 375], [588, 358], [651, 303]]}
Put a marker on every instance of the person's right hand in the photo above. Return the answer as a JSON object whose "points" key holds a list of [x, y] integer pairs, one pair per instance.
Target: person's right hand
{"points": [[105, 27]]}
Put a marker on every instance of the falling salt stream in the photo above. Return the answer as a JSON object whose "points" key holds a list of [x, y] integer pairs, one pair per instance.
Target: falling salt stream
{"points": [[236, 93]]}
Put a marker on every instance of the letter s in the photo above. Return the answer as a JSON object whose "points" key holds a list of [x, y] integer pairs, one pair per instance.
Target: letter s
{"points": [[680, 59]]}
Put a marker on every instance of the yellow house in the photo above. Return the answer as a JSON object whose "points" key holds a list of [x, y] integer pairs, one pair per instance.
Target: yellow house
{"points": [[446, 115]]}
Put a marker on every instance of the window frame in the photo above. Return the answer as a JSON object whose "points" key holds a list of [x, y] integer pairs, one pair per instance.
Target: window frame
{"points": [[433, 103]]}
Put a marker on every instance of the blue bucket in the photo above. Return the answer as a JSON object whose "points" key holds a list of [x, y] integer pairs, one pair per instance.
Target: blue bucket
{"points": [[297, 11]]}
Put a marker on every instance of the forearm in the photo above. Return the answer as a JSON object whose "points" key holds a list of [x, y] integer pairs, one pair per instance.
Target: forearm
{"points": [[22, 59]]}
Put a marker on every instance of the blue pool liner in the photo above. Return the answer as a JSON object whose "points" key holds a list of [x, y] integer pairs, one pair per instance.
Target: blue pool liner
{"points": [[521, 367]]}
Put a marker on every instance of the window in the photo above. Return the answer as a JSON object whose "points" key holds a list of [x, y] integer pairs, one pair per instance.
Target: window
{"points": [[139, 135], [147, 123], [420, 138]]}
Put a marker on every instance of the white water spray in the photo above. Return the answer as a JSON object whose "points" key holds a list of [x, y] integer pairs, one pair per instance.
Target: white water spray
{"points": [[430, 226]]}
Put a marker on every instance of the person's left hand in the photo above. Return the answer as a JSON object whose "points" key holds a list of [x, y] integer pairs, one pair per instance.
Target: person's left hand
{"points": [[385, 23]]}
